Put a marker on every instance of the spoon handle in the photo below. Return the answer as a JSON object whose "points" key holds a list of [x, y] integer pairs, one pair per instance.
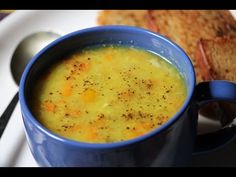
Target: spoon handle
{"points": [[7, 113]]}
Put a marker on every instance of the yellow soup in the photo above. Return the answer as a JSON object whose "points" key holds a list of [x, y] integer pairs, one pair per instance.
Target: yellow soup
{"points": [[108, 94]]}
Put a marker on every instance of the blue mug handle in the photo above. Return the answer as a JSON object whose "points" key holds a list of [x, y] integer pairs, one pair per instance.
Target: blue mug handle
{"points": [[208, 92]]}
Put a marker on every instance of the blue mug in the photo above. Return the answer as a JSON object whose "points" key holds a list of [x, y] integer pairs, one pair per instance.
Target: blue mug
{"points": [[172, 144]]}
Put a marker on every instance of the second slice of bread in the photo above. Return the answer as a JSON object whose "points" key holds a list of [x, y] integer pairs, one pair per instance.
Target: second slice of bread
{"points": [[217, 61]]}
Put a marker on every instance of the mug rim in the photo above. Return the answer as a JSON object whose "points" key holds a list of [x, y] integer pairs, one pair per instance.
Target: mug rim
{"points": [[29, 116]]}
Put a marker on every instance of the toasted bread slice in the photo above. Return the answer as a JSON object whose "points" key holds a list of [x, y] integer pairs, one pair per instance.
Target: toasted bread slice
{"points": [[216, 59]]}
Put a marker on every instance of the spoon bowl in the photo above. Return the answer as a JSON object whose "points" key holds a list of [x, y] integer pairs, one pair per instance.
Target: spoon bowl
{"points": [[26, 49]]}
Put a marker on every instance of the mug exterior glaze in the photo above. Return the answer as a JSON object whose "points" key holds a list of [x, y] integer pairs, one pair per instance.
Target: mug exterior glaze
{"points": [[172, 144]]}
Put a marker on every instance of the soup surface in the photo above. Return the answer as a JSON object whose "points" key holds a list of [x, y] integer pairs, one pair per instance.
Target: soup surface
{"points": [[108, 94]]}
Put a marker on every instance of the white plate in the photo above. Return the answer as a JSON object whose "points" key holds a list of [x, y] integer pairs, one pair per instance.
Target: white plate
{"points": [[13, 146]]}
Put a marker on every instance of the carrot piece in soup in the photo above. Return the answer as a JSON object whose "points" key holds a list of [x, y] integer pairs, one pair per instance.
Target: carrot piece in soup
{"points": [[88, 95], [48, 106], [126, 95], [66, 90], [83, 66], [75, 128], [74, 112], [139, 129], [108, 57], [90, 133]]}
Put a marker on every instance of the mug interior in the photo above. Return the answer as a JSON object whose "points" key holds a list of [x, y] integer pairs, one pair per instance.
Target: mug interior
{"points": [[121, 35]]}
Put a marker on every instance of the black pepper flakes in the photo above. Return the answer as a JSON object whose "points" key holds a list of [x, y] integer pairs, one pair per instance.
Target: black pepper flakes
{"points": [[159, 123], [101, 116], [149, 86], [64, 126], [130, 115]]}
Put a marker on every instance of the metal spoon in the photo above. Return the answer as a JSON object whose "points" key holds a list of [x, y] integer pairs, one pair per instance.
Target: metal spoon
{"points": [[24, 51]]}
